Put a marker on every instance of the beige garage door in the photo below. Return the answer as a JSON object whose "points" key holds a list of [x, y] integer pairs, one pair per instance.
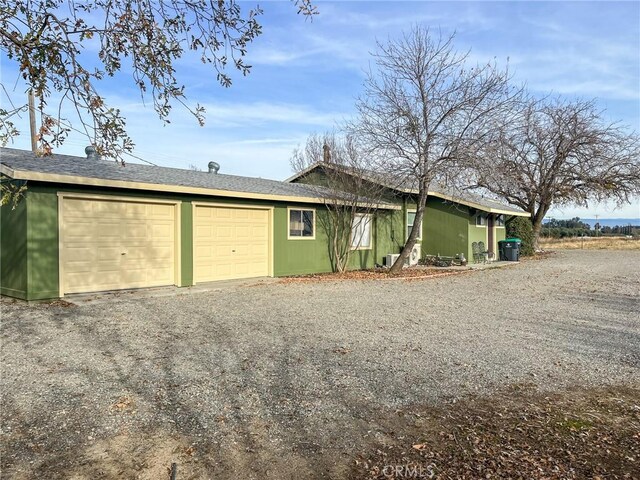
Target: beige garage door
{"points": [[110, 245], [230, 243]]}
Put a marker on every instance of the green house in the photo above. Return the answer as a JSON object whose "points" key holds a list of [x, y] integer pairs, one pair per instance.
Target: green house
{"points": [[88, 225], [452, 222]]}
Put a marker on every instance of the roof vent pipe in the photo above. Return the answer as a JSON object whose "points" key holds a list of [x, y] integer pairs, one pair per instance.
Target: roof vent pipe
{"points": [[92, 153], [214, 167], [326, 153]]}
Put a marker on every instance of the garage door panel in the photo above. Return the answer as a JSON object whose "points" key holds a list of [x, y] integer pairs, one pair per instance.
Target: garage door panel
{"points": [[136, 231], [105, 230], [259, 232], [109, 245], [162, 231], [243, 233], [161, 211], [222, 232], [204, 231], [104, 254], [230, 243], [80, 231]]}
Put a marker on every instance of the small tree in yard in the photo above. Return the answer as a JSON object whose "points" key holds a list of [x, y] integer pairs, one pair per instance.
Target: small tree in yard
{"points": [[340, 180], [557, 152], [421, 108]]}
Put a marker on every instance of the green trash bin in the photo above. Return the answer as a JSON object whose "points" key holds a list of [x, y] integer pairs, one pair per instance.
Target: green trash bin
{"points": [[509, 250]]}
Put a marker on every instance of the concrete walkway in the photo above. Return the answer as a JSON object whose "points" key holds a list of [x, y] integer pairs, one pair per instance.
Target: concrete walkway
{"points": [[168, 291], [155, 292]]}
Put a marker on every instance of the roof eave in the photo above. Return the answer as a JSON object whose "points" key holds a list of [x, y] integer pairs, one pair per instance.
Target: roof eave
{"points": [[477, 206], [412, 191], [302, 173], [100, 182]]}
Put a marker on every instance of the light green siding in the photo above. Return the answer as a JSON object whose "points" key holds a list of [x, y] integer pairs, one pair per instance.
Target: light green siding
{"points": [[301, 255], [390, 228], [13, 250], [30, 264], [29, 237], [186, 244], [445, 228], [304, 256], [42, 245], [476, 234]]}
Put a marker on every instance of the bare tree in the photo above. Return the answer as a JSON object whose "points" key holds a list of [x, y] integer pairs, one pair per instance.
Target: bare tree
{"points": [[68, 47], [421, 107], [340, 179], [558, 152]]}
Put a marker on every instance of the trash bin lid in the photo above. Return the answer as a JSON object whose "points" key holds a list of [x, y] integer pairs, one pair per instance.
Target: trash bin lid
{"points": [[511, 240]]}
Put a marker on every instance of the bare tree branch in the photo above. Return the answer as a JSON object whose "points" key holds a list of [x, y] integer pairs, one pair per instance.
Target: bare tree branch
{"points": [[423, 108], [48, 41], [557, 152], [340, 175]]}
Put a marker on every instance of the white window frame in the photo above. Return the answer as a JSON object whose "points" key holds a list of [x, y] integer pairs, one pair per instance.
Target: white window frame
{"points": [[497, 225], [368, 219], [419, 237], [296, 209], [484, 218]]}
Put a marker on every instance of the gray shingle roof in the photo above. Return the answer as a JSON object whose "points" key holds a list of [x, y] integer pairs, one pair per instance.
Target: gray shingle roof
{"points": [[466, 196], [402, 185], [109, 170]]}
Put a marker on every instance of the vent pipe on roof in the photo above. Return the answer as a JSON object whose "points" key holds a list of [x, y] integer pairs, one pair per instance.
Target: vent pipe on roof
{"points": [[326, 153], [214, 167], [92, 153]]}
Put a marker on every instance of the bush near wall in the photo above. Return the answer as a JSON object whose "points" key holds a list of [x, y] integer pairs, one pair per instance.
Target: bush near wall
{"points": [[520, 227]]}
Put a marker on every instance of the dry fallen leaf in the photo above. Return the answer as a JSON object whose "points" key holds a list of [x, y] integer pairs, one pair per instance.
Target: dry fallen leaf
{"points": [[123, 403]]}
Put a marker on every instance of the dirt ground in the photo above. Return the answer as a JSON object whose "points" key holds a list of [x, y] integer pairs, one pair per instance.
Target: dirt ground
{"points": [[515, 433], [530, 371]]}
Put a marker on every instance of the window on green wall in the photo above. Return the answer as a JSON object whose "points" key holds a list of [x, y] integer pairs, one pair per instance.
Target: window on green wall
{"points": [[499, 220], [481, 220], [361, 232], [411, 218], [302, 223]]}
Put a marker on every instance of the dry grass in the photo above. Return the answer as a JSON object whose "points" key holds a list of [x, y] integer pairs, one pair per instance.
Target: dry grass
{"points": [[591, 243]]}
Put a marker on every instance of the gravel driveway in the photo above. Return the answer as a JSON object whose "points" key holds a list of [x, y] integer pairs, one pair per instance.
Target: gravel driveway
{"points": [[288, 380]]}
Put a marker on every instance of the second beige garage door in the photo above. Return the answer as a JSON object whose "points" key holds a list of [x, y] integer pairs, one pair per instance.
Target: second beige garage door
{"points": [[230, 243]]}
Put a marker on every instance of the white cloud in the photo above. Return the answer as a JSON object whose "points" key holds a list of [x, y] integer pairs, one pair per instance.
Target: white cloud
{"points": [[233, 115]]}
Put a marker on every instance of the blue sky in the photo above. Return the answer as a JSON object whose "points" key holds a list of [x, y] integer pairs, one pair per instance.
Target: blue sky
{"points": [[306, 74]]}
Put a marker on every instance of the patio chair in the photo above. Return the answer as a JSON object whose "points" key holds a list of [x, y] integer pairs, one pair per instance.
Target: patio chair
{"points": [[475, 249], [485, 255]]}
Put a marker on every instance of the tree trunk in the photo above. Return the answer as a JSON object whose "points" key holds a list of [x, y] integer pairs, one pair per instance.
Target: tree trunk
{"points": [[413, 236], [341, 238], [337, 246], [536, 223]]}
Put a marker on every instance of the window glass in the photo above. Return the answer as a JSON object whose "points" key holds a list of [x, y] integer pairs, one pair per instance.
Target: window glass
{"points": [[500, 220], [295, 223], [411, 219], [361, 231], [481, 220], [307, 223], [301, 223]]}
